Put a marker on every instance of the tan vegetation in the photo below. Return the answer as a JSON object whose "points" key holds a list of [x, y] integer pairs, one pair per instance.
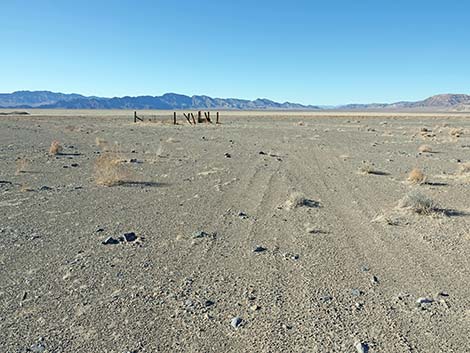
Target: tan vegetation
{"points": [[109, 171], [424, 149], [464, 168], [456, 132], [21, 165], [418, 203], [416, 176], [55, 148]]}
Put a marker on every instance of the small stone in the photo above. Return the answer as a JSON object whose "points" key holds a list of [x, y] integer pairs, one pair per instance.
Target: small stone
{"points": [[326, 298], [374, 280], [442, 294], [356, 292], [255, 307], [295, 257], [74, 165], [236, 322], [261, 152], [110, 241], [200, 234], [227, 155], [424, 300], [242, 215], [365, 268], [45, 188], [361, 347], [99, 230], [209, 303], [129, 237], [259, 249]]}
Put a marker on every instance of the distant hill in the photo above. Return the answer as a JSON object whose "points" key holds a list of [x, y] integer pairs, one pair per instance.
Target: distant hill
{"points": [[51, 100], [452, 102]]}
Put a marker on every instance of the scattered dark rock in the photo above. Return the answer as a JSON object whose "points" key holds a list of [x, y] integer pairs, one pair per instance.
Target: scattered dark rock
{"points": [[259, 249], [236, 322], [130, 237], [326, 298], [242, 215], [74, 165], [110, 241], [209, 303], [227, 155], [361, 347], [424, 300], [263, 153], [374, 280], [45, 188], [200, 234], [356, 292], [99, 230]]}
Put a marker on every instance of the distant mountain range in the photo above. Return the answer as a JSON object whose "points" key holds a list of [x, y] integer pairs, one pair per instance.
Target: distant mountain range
{"points": [[52, 100]]}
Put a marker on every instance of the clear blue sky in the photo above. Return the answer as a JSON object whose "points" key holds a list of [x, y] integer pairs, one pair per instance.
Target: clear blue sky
{"points": [[316, 52]]}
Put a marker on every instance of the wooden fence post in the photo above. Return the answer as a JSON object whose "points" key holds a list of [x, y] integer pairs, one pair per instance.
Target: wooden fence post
{"points": [[199, 119], [194, 120], [135, 116], [174, 118], [217, 118], [187, 118]]}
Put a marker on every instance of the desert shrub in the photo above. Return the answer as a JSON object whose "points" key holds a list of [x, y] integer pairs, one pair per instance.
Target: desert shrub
{"points": [[297, 199], [418, 203], [102, 144], [456, 132], [367, 168], [425, 149], [416, 176], [109, 171], [55, 148], [464, 168], [21, 165]]}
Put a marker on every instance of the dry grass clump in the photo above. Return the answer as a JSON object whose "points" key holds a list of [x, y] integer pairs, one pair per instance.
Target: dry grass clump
{"points": [[425, 149], [367, 168], [102, 144], [21, 166], [55, 148], [464, 168], [109, 170], [416, 176], [456, 132], [296, 200], [418, 203]]}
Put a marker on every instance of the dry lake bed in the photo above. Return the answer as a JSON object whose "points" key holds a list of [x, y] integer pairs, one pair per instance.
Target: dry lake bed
{"points": [[270, 232]]}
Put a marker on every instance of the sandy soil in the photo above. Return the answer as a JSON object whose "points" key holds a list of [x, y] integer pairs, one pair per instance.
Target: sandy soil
{"points": [[339, 270]]}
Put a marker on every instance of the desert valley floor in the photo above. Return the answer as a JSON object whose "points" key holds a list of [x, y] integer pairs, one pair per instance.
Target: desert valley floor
{"points": [[271, 232]]}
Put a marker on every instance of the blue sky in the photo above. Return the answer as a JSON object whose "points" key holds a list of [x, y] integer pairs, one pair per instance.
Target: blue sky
{"points": [[315, 52]]}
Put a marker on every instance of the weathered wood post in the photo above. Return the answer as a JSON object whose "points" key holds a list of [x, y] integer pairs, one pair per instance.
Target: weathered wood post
{"points": [[135, 116], [217, 118], [187, 118], [174, 118], [199, 118], [208, 117], [194, 120]]}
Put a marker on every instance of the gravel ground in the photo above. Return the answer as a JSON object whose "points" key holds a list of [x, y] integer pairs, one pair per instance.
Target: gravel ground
{"points": [[265, 233]]}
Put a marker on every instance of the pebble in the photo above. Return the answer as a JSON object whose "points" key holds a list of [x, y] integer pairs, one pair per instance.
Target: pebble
{"points": [[199, 234], [45, 188], [110, 240], [361, 347], [424, 300], [227, 155], [259, 249], [374, 280], [356, 292], [209, 303], [129, 237], [74, 165], [242, 215], [255, 307], [236, 322]]}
